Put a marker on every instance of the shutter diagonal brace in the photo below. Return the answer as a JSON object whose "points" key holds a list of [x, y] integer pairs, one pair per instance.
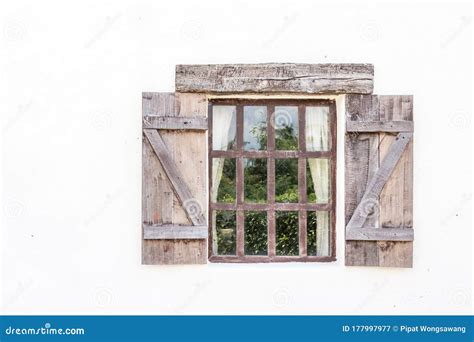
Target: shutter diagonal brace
{"points": [[354, 230], [191, 206]]}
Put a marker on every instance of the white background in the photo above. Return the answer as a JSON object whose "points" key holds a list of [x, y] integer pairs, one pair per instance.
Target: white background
{"points": [[70, 98]]}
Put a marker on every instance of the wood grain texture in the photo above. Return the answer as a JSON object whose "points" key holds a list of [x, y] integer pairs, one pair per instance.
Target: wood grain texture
{"points": [[394, 209], [172, 232], [379, 126], [378, 181], [175, 123], [378, 234], [159, 203], [276, 78], [396, 199]]}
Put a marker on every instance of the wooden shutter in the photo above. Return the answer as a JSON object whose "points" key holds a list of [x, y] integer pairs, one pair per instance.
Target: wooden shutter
{"points": [[174, 178], [379, 180]]}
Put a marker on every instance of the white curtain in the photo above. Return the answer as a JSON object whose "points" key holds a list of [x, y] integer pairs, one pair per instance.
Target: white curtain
{"points": [[317, 139], [317, 128], [221, 126]]}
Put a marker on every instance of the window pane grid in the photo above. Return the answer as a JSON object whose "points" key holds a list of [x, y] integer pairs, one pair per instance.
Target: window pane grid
{"points": [[298, 240]]}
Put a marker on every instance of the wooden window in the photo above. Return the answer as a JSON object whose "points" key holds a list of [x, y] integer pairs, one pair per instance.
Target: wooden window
{"points": [[272, 165], [272, 183]]}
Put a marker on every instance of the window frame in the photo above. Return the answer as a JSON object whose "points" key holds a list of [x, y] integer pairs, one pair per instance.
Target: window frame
{"points": [[301, 154]]}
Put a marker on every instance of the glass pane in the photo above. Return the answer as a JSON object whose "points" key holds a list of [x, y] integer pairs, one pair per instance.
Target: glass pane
{"points": [[318, 233], [285, 120], [255, 178], [317, 180], [225, 231], [223, 127], [255, 233], [223, 180], [286, 180], [286, 233], [317, 128], [255, 128]]}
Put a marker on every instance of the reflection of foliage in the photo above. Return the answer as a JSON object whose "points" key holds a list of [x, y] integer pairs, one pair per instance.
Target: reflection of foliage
{"points": [[225, 226], [255, 233], [286, 180], [286, 138], [259, 131], [226, 191], [256, 180], [311, 237], [287, 233], [255, 190]]}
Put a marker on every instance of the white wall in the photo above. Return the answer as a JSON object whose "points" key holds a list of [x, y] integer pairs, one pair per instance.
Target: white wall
{"points": [[70, 98]]}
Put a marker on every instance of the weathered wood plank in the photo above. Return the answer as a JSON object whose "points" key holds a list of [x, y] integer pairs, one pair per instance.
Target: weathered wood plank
{"points": [[171, 232], [174, 123], [380, 234], [188, 151], [395, 201], [361, 163], [379, 126], [174, 175], [276, 78], [396, 198], [377, 183]]}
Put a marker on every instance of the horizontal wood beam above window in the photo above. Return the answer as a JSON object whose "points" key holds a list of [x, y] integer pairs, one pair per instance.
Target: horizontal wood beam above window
{"points": [[174, 122], [380, 234], [174, 232], [379, 126], [276, 78]]}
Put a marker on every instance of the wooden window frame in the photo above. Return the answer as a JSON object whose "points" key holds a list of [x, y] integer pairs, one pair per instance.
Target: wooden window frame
{"points": [[271, 207]]}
